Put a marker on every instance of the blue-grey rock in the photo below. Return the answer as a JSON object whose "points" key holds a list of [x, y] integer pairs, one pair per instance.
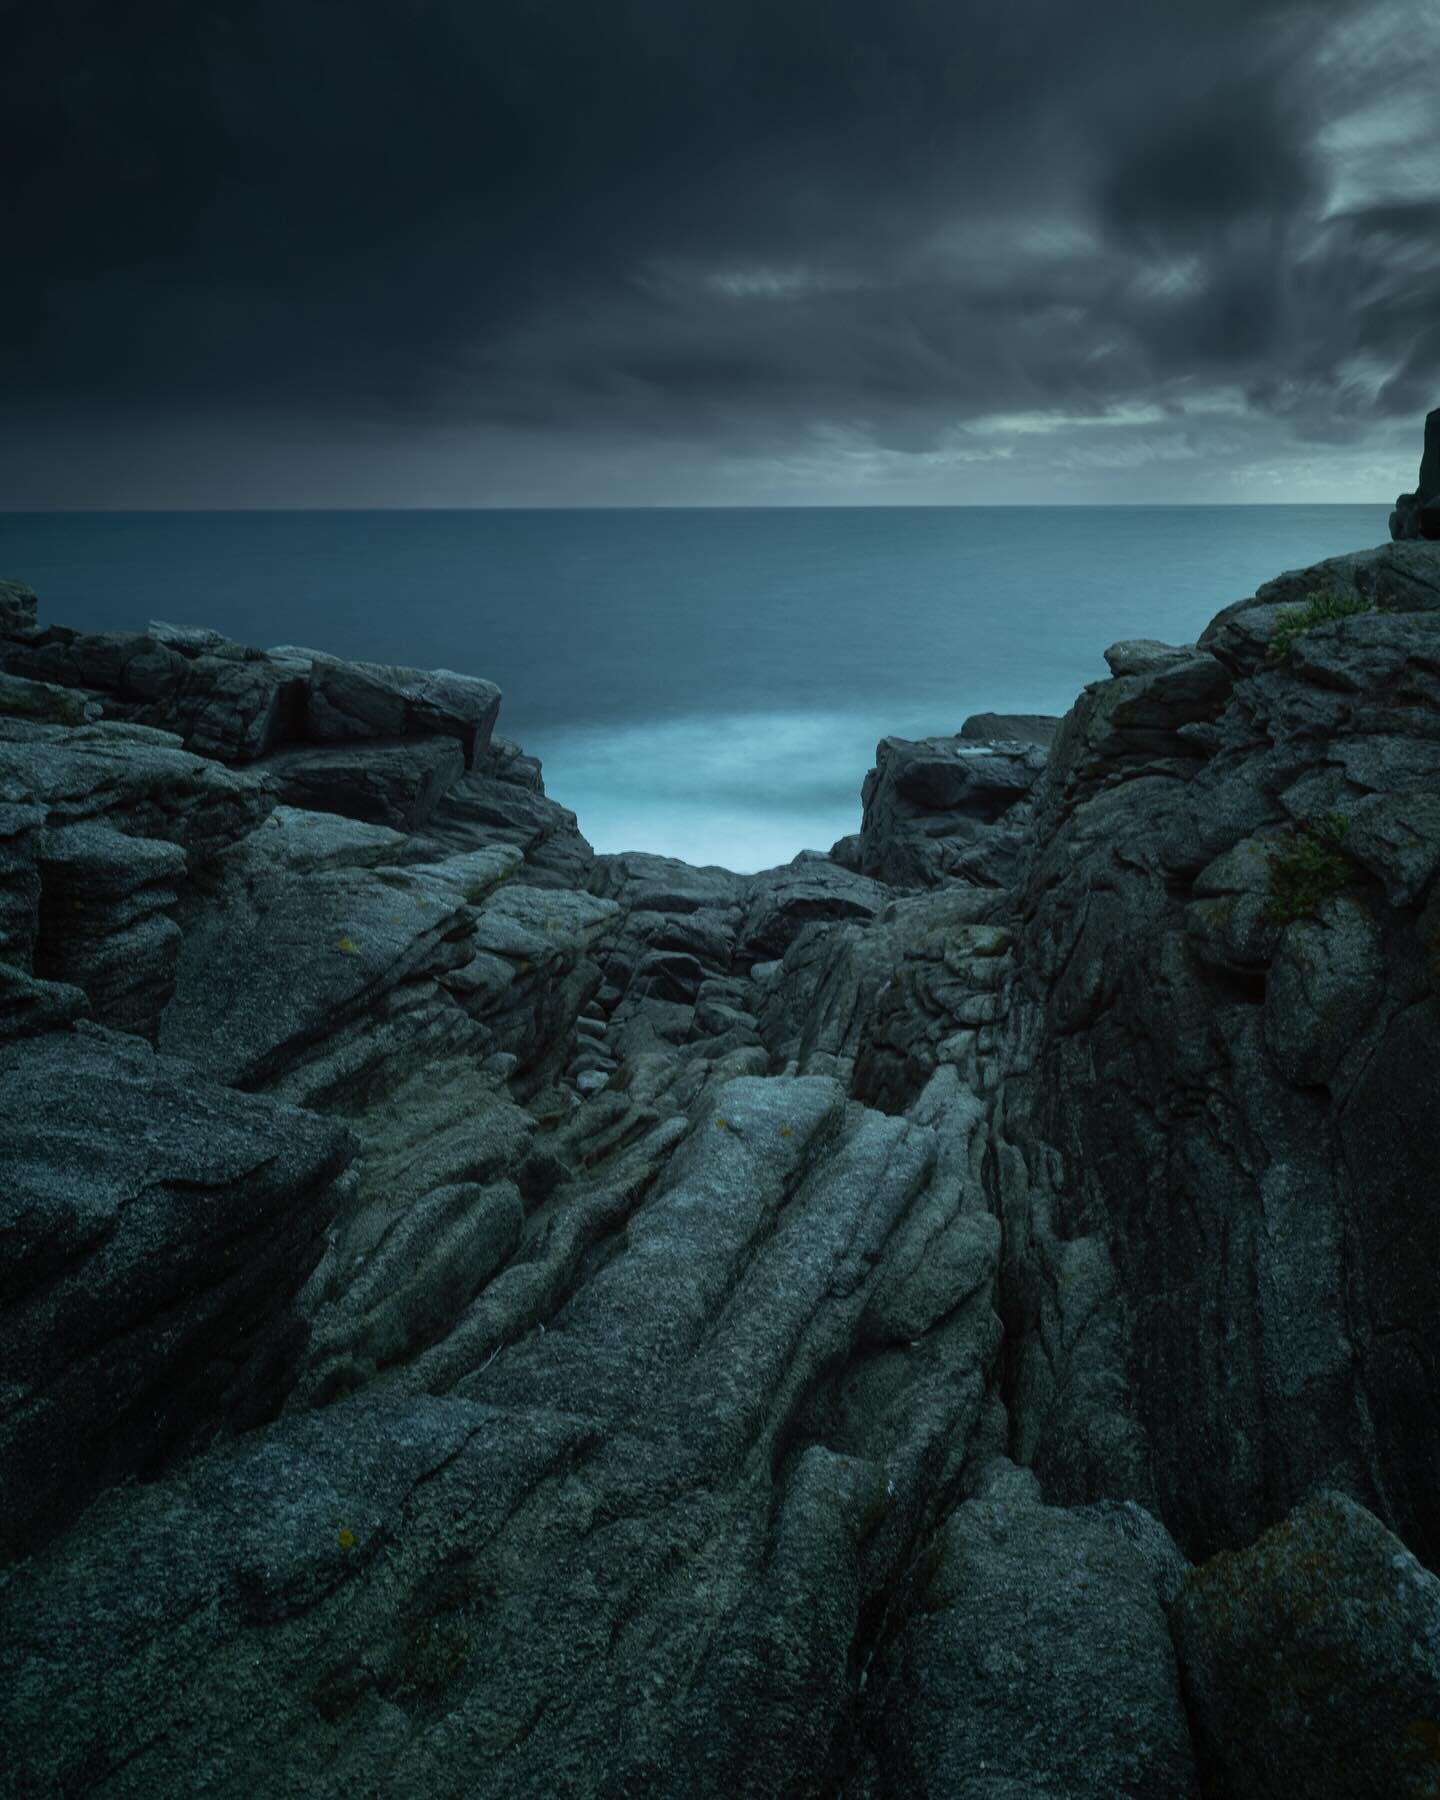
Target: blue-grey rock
{"points": [[156, 1227], [396, 782], [1417, 514], [18, 607], [1311, 1661]]}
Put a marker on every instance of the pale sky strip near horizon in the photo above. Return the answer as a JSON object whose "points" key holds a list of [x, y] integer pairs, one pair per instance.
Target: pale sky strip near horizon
{"points": [[750, 252]]}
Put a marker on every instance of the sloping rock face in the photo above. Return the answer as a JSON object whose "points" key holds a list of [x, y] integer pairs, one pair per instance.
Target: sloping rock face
{"points": [[481, 1317], [158, 1229], [1219, 1140]]}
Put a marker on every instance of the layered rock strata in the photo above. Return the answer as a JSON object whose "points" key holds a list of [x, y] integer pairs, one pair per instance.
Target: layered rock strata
{"points": [[953, 1316]]}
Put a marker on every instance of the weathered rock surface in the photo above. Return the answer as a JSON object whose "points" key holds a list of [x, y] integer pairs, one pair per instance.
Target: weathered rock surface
{"points": [[1213, 1124], [1417, 515], [1277, 1640], [19, 606], [779, 1334], [1011, 728], [503, 801], [156, 1230], [971, 1704], [224, 701], [347, 701], [396, 782], [947, 808]]}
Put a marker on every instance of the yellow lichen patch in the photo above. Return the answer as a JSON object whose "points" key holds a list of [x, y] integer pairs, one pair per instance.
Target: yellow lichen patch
{"points": [[347, 945], [785, 1131], [345, 1538], [720, 1124], [1422, 1739]]}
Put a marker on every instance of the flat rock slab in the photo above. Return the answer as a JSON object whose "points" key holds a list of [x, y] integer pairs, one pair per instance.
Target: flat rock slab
{"points": [[136, 779], [44, 701], [396, 782], [153, 1226], [223, 700], [306, 842], [357, 700], [1011, 728]]}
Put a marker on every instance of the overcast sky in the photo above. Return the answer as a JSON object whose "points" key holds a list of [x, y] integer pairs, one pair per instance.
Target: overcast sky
{"points": [[638, 252]]}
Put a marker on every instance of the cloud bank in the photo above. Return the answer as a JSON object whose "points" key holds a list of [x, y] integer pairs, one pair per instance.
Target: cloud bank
{"points": [[539, 251]]}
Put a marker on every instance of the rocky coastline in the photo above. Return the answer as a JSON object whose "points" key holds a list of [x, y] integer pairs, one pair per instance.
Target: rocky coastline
{"points": [[958, 1315]]}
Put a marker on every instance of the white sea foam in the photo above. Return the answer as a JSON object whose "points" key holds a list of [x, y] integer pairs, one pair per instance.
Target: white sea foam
{"points": [[744, 790]]}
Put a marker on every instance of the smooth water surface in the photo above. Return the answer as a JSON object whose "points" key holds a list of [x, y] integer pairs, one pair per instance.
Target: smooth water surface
{"points": [[710, 684]]}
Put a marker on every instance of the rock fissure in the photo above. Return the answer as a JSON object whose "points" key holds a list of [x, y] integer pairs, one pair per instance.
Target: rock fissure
{"points": [[943, 1316]]}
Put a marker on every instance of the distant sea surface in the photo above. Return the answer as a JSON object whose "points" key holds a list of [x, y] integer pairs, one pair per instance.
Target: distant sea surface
{"points": [[707, 684]]}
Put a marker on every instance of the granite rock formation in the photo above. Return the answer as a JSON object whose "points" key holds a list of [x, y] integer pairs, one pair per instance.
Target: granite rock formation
{"points": [[1417, 514], [954, 1316]]}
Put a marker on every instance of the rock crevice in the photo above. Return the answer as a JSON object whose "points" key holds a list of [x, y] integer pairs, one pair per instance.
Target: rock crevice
{"points": [[952, 1316]]}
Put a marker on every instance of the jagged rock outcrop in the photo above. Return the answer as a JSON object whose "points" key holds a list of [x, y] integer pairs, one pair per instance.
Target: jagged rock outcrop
{"points": [[1218, 1126], [952, 1316], [947, 808], [1417, 515], [502, 800]]}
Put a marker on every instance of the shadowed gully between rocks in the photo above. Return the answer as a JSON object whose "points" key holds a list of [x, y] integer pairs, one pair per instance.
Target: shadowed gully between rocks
{"points": [[953, 1315]]}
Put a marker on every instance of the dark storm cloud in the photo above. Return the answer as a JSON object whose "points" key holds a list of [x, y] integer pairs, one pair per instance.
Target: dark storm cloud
{"points": [[734, 221]]}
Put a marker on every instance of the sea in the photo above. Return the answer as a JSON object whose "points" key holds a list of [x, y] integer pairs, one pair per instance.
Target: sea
{"points": [[710, 683]]}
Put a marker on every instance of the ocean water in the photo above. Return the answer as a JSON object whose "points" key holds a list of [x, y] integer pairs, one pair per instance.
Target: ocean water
{"points": [[708, 684]]}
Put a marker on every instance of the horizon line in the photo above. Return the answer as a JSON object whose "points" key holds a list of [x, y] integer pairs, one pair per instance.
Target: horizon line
{"points": [[31, 512]]}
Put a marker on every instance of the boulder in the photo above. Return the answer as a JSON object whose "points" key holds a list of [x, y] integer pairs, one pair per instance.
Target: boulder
{"points": [[1311, 1661], [779, 902], [133, 778], [942, 809], [95, 846], [221, 699], [350, 701], [1084, 1701]]}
